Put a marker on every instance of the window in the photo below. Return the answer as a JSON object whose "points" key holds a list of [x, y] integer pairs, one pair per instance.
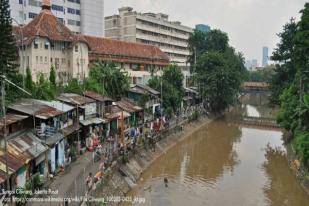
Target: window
{"points": [[41, 59], [57, 8], [45, 60], [71, 11], [69, 63], [77, 12], [76, 48], [37, 59], [71, 22], [36, 45], [77, 23], [63, 61], [46, 45], [51, 60], [20, 1], [32, 15]]}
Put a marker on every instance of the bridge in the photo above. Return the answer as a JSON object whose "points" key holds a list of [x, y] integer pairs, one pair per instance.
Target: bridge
{"points": [[254, 121], [255, 87]]}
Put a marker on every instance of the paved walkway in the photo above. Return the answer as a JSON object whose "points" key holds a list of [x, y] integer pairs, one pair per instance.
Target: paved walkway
{"points": [[71, 183]]}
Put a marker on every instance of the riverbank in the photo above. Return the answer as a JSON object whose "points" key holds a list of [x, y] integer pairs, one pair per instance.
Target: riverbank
{"points": [[298, 170], [120, 179]]}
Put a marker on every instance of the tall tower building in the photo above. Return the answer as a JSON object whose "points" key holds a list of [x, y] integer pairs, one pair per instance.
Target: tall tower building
{"points": [[80, 16], [265, 56]]}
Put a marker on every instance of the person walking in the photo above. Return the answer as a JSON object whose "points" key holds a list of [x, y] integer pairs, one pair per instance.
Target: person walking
{"points": [[89, 181]]}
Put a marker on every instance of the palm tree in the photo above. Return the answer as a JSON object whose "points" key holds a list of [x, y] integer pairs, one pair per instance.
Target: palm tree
{"points": [[114, 81]]}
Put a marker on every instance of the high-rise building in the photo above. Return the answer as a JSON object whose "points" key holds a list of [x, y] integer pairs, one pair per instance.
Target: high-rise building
{"points": [[265, 56], [154, 29], [202, 27], [150, 28], [80, 16]]}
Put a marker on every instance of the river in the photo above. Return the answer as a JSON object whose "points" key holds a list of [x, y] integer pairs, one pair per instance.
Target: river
{"points": [[223, 164]]}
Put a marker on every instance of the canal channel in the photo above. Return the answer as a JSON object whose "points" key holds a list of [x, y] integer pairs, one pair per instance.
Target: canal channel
{"points": [[224, 164]]}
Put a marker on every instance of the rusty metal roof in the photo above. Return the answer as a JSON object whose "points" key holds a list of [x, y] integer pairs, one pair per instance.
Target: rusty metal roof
{"points": [[75, 99], [36, 108], [97, 96], [143, 89], [26, 147], [128, 106], [13, 162], [256, 84], [11, 119]]}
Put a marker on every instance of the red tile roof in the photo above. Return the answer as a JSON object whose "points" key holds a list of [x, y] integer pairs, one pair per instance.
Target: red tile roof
{"points": [[122, 51], [47, 25]]}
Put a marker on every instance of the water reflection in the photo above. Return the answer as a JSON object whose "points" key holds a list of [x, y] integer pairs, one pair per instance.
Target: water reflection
{"points": [[283, 188], [223, 164]]}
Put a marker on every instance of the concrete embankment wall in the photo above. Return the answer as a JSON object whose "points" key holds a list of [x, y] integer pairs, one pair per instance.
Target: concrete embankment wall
{"points": [[121, 178]]}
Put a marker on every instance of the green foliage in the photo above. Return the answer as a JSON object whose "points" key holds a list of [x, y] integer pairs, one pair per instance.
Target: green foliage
{"points": [[143, 100], [284, 54], [52, 76], [301, 144], [114, 81], [74, 86], [43, 89], [219, 69], [8, 49], [291, 70], [262, 75], [28, 80], [288, 113], [172, 88]]}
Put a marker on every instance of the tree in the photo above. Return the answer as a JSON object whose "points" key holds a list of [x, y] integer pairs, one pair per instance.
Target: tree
{"points": [[284, 54], [172, 88], [218, 80], [293, 62], [52, 76], [200, 42], [219, 71], [8, 49], [113, 80], [43, 89], [28, 80]]}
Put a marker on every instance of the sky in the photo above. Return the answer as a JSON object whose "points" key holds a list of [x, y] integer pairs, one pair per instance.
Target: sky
{"points": [[250, 24]]}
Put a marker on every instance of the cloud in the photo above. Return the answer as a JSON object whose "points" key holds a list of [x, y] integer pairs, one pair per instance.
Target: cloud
{"points": [[250, 24]]}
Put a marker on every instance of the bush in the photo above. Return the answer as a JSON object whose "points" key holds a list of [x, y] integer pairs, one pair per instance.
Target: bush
{"points": [[301, 144]]}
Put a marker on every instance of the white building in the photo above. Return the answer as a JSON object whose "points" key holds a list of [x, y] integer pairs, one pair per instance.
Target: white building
{"points": [[154, 29], [46, 42], [80, 16]]}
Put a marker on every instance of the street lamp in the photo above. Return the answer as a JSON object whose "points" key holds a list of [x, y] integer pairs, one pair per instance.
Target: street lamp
{"points": [[21, 51], [3, 81]]}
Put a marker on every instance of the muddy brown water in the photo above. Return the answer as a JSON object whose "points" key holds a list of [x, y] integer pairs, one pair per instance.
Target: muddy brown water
{"points": [[223, 164]]}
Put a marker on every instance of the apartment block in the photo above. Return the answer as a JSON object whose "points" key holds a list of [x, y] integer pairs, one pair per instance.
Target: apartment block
{"points": [[150, 28], [80, 16]]}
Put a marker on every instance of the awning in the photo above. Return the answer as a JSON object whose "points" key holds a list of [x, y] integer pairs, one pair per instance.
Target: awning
{"points": [[95, 120], [70, 130], [56, 138]]}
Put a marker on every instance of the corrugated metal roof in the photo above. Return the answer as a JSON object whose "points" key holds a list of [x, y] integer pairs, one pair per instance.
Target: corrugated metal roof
{"points": [[13, 162], [26, 146], [97, 97], [128, 106], [75, 99], [36, 108], [11, 119], [58, 105]]}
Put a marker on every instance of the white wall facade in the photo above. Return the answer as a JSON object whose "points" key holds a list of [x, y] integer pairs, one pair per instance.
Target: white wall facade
{"points": [[69, 61], [77, 15]]}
